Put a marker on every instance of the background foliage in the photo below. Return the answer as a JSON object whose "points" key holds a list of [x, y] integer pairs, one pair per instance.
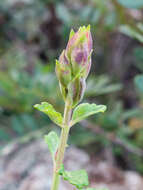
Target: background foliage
{"points": [[32, 35]]}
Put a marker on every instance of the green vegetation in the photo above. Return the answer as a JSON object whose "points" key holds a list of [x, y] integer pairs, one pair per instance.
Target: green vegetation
{"points": [[32, 33]]}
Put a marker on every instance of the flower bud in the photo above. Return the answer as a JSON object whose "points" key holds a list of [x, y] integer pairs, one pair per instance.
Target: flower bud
{"points": [[63, 69], [79, 49], [74, 64]]}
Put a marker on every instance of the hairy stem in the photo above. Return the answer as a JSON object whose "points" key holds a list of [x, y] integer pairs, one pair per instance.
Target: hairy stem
{"points": [[62, 146]]}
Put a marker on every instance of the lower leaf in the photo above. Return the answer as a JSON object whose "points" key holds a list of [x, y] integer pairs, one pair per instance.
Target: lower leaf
{"points": [[77, 178], [52, 140]]}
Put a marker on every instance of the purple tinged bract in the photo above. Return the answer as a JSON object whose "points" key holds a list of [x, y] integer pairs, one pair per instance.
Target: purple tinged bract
{"points": [[74, 64]]}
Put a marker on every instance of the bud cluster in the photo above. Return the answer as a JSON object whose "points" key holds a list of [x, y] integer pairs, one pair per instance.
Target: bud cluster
{"points": [[74, 64]]}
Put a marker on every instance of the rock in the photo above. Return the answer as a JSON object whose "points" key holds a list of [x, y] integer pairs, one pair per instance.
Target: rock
{"points": [[29, 167]]}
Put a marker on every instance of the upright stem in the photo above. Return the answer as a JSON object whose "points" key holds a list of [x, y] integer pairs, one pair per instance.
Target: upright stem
{"points": [[62, 146]]}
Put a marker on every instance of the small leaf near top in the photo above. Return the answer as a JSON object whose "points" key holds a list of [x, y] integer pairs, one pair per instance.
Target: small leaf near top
{"points": [[48, 109], [77, 178], [52, 140], [84, 110]]}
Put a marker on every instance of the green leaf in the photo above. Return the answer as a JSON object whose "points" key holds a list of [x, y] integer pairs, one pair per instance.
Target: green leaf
{"points": [[84, 110], [139, 82], [132, 32], [52, 140], [63, 13], [77, 178], [101, 85], [138, 53], [131, 3], [48, 109]]}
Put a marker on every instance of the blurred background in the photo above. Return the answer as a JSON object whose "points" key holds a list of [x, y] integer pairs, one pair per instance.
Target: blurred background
{"points": [[110, 146]]}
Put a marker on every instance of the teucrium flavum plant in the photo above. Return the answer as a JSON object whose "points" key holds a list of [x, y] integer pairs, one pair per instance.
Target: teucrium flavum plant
{"points": [[72, 69]]}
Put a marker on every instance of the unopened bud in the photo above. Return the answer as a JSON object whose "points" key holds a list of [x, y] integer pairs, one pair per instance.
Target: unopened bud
{"points": [[74, 64]]}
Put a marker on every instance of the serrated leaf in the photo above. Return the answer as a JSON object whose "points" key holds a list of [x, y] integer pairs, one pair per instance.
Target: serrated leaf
{"points": [[48, 109], [84, 110], [52, 140], [77, 178]]}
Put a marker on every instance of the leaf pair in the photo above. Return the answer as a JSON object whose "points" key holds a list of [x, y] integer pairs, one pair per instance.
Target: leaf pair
{"points": [[80, 112], [77, 178]]}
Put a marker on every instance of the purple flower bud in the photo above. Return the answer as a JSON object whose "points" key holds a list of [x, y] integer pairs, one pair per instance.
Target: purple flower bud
{"points": [[74, 64], [79, 49]]}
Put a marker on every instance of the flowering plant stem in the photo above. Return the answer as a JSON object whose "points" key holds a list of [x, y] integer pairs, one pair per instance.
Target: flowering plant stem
{"points": [[72, 69], [62, 146]]}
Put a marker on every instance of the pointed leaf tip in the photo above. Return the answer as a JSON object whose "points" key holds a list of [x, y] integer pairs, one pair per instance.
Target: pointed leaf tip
{"points": [[71, 33], [88, 27]]}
